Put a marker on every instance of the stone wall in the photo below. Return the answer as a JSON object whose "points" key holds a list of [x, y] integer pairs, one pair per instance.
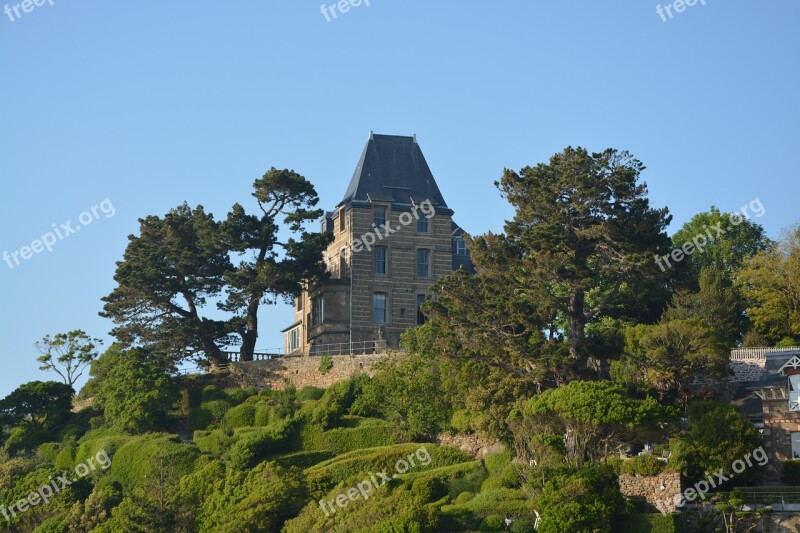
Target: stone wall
{"points": [[649, 488], [299, 371], [779, 424], [473, 444]]}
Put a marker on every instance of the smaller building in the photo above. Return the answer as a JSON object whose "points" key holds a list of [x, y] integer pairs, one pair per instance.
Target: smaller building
{"points": [[768, 393]]}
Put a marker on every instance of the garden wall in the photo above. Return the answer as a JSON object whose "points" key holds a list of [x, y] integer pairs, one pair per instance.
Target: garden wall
{"points": [[300, 371]]}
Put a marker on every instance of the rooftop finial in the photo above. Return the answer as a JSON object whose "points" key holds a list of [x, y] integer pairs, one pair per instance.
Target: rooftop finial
{"points": [[370, 135], [415, 138]]}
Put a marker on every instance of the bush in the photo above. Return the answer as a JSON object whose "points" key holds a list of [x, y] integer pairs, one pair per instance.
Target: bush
{"points": [[238, 396], [243, 415], [649, 523], [199, 418], [791, 473], [211, 393], [48, 452], [216, 408], [257, 445], [143, 461], [495, 462], [642, 465], [98, 440], [325, 364], [310, 393], [493, 522], [463, 498], [369, 433], [216, 442], [462, 421]]}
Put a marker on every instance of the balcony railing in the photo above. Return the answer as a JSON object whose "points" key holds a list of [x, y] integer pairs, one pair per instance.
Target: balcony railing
{"points": [[339, 348]]}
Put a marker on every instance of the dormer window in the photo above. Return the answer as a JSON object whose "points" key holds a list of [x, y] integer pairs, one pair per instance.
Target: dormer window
{"points": [[459, 246]]}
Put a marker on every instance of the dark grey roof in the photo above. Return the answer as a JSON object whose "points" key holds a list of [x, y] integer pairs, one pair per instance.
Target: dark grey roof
{"points": [[393, 169]]}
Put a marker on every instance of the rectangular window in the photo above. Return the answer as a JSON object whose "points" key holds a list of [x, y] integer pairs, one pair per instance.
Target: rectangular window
{"points": [[460, 246], [422, 223], [293, 340], [423, 263], [317, 311], [794, 393], [379, 216], [379, 260], [795, 445], [341, 219], [420, 317], [342, 264], [379, 307]]}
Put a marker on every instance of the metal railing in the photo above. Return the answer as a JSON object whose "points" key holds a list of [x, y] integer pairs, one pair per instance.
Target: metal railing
{"points": [[338, 348], [345, 348], [739, 354]]}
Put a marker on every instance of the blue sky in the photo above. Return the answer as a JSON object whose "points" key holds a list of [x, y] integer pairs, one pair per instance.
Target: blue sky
{"points": [[148, 104]]}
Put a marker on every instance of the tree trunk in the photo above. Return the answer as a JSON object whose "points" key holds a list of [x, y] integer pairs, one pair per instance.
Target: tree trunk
{"points": [[250, 334], [576, 323]]}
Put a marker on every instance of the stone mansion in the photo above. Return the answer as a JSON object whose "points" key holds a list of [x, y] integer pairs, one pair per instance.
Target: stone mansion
{"points": [[393, 236]]}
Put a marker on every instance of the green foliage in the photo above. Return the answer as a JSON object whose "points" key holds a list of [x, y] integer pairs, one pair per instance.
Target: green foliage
{"points": [[770, 282], [67, 354], [310, 393], [177, 258], [325, 364], [580, 500], [368, 433], [642, 465], [241, 416], [37, 405], [153, 459], [594, 413], [728, 250], [648, 523], [790, 475], [257, 445], [407, 391], [231, 500], [337, 400], [96, 441], [718, 437], [134, 394]]}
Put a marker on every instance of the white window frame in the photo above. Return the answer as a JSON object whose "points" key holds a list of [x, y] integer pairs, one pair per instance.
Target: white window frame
{"points": [[384, 309]]}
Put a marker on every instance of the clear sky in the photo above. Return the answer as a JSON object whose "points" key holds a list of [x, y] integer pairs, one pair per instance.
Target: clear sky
{"points": [[147, 104]]}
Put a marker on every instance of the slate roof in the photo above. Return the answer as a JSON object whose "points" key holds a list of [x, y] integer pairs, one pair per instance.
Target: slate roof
{"points": [[393, 169]]}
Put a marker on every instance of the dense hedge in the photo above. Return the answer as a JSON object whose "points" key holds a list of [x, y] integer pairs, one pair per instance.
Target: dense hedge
{"points": [[98, 440], [649, 523], [642, 465], [143, 460], [790, 475], [354, 466], [368, 433]]}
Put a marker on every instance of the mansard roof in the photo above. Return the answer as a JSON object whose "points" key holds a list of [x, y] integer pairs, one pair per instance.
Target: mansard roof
{"points": [[393, 169]]}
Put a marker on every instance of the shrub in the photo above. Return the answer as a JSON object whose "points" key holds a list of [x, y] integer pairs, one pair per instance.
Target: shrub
{"points": [[98, 440], [255, 446], [310, 393], [143, 461], [211, 393], [428, 489], [216, 442], [649, 523], [243, 415], [791, 473], [369, 433], [642, 465], [495, 462], [48, 452], [238, 396], [217, 408], [462, 421], [325, 364], [463, 498], [493, 522], [65, 460], [199, 418]]}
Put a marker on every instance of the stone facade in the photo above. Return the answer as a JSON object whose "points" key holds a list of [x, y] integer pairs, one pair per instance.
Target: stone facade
{"points": [[779, 424], [650, 488], [299, 371]]}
